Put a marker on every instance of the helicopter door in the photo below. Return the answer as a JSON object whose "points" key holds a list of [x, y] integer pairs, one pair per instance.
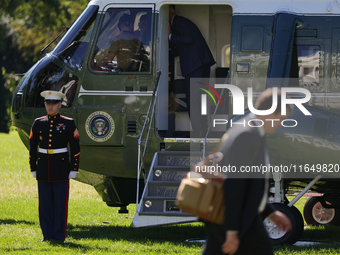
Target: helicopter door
{"points": [[117, 89]]}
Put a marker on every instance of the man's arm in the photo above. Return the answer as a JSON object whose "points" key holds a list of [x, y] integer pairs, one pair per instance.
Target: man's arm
{"points": [[105, 60], [33, 149], [231, 244], [75, 149], [113, 50], [182, 35], [281, 220]]}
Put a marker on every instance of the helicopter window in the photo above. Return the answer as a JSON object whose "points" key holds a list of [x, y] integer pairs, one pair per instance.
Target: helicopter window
{"points": [[74, 54], [225, 56], [49, 76], [124, 42], [305, 66]]}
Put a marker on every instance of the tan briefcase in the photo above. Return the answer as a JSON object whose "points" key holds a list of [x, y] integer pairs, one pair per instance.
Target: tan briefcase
{"points": [[202, 197]]}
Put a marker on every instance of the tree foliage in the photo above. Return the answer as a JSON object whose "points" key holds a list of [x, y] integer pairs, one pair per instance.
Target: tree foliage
{"points": [[36, 22], [26, 26]]}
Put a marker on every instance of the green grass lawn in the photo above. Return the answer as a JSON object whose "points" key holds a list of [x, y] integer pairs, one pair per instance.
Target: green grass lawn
{"points": [[93, 227]]}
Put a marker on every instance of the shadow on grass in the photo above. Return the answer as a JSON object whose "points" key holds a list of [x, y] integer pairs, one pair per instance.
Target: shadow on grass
{"points": [[16, 222], [52, 243], [56, 243], [329, 248], [328, 236], [172, 234], [177, 234], [322, 233]]}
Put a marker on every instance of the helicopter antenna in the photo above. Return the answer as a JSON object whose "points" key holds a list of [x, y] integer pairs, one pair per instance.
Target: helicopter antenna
{"points": [[48, 45]]}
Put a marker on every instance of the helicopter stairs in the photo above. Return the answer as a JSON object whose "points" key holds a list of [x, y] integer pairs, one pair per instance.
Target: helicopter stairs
{"points": [[157, 204]]}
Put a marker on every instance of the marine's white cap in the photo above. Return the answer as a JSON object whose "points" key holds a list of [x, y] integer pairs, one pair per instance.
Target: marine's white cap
{"points": [[52, 96]]}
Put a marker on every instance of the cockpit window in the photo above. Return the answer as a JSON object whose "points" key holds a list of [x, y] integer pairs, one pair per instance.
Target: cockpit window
{"points": [[49, 76], [124, 42], [72, 48]]}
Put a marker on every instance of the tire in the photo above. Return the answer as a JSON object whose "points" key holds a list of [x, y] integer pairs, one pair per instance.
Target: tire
{"points": [[282, 237], [299, 221], [316, 215]]}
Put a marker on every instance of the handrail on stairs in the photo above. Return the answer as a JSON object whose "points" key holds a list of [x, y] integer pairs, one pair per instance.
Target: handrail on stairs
{"points": [[149, 119], [212, 119]]}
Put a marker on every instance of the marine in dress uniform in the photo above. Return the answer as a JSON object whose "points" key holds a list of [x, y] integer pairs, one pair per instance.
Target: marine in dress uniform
{"points": [[53, 164]]}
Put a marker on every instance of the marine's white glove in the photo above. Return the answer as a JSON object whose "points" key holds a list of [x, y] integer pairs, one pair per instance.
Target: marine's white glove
{"points": [[34, 174], [72, 175]]}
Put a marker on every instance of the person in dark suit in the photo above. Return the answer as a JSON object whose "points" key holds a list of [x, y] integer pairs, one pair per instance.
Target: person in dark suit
{"points": [[246, 196], [195, 58], [52, 166]]}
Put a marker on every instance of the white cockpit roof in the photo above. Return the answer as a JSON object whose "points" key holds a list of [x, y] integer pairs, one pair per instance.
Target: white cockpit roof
{"points": [[246, 6]]}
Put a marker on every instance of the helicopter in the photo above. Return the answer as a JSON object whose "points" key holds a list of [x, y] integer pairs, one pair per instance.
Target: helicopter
{"points": [[134, 127]]}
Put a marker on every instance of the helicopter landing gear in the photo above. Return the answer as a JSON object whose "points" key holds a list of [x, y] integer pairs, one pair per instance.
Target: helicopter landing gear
{"points": [[318, 211], [282, 237], [123, 209]]}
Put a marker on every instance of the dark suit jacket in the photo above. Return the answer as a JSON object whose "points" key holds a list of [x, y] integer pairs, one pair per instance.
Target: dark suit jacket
{"points": [[243, 147], [190, 45]]}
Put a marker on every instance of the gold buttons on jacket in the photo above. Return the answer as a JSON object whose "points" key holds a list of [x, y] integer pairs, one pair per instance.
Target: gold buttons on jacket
{"points": [[50, 140]]}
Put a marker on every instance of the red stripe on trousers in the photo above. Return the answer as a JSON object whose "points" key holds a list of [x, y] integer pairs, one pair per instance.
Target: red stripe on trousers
{"points": [[66, 208]]}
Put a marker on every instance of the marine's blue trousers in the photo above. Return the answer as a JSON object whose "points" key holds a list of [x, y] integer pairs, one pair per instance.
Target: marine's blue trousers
{"points": [[53, 208]]}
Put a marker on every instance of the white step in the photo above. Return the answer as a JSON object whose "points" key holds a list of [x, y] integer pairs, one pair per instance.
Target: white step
{"points": [[141, 221], [157, 205]]}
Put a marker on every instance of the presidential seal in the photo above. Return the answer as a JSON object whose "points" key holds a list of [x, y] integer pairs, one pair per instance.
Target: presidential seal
{"points": [[100, 126]]}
